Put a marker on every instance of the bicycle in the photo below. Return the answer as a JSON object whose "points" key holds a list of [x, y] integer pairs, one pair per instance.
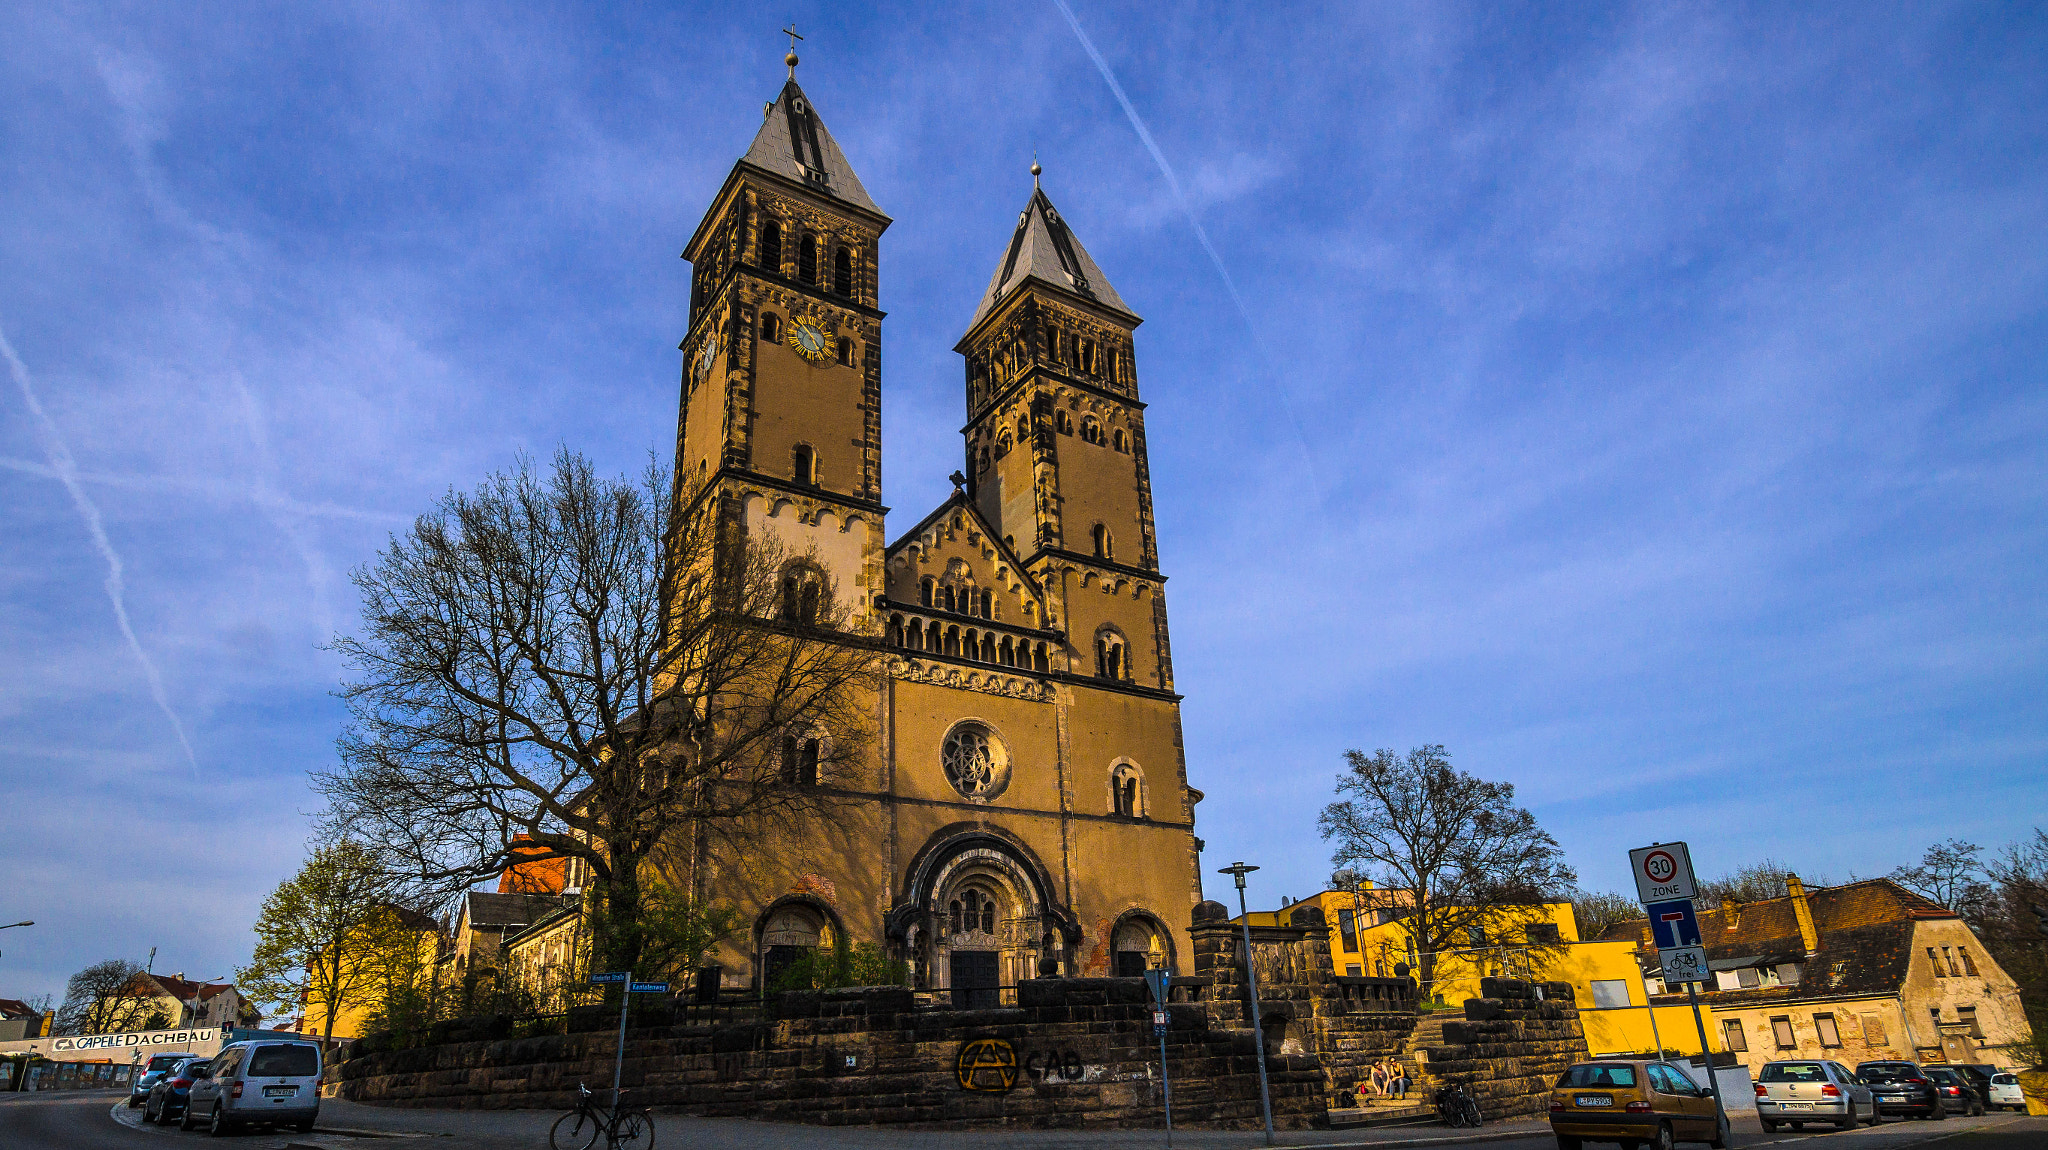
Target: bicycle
{"points": [[622, 1128], [1456, 1107]]}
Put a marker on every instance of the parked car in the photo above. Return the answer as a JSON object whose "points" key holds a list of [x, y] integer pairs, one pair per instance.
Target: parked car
{"points": [[1795, 1093], [1979, 1074], [138, 1091], [1957, 1091], [271, 1081], [169, 1093], [2005, 1091], [1902, 1088], [1633, 1102]]}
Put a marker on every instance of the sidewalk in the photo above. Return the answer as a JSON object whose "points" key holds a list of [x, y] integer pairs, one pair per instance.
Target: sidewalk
{"points": [[495, 1129]]}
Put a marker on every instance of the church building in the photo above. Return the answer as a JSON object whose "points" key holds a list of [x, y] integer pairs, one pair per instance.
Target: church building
{"points": [[1025, 808]]}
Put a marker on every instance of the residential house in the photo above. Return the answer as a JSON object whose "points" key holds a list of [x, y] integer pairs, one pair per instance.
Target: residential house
{"points": [[1866, 970], [185, 1003], [422, 954], [19, 1020]]}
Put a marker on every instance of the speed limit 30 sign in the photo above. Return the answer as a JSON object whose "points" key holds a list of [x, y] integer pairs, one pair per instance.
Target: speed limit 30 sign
{"points": [[1663, 872]]}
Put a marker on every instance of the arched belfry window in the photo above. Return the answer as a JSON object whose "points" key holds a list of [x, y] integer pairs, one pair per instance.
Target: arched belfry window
{"points": [[842, 272], [771, 327], [845, 348], [1120, 441], [1126, 791], [807, 259], [771, 246], [801, 590], [1091, 430], [803, 464], [1105, 546], [926, 591], [800, 759], [1112, 655]]}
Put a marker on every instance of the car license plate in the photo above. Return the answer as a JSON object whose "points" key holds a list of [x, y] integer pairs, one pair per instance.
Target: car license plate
{"points": [[1593, 1100], [280, 1091], [1796, 1105]]}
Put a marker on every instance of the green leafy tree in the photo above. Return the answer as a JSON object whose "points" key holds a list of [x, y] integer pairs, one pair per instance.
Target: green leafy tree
{"points": [[110, 997], [329, 938], [677, 931], [861, 964], [1469, 863], [559, 665]]}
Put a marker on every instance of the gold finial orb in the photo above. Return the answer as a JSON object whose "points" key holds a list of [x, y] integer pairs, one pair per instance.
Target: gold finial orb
{"points": [[790, 59], [1035, 169]]}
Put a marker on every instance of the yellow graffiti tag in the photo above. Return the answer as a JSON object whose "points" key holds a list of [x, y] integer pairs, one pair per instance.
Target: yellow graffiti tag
{"points": [[987, 1064]]}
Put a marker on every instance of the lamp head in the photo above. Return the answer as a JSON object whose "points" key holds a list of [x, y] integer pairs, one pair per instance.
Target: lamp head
{"points": [[1237, 871]]}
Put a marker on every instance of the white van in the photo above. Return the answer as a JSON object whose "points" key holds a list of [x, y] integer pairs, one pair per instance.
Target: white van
{"points": [[269, 1080]]}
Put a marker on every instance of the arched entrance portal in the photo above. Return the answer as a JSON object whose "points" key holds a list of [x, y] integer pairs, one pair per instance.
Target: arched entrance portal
{"points": [[977, 918], [792, 930]]}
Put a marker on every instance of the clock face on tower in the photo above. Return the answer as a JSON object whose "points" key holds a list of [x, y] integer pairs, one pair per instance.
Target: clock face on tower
{"points": [[809, 342], [704, 357]]}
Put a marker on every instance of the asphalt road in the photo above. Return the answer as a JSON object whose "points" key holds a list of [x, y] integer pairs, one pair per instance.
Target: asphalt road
{"points": [[95, 1120]]}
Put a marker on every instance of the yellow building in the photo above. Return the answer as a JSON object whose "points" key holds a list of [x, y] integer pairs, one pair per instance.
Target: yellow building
{"points": [[1369, 936], [1024, 806], [406, 947]]}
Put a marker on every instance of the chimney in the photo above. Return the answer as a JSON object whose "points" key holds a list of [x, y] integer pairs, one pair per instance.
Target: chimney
{"points": [[1803, 912]]}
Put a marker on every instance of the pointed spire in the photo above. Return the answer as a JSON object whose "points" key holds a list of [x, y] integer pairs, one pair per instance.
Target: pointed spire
{"points": [[1044, 249], [794, 144]]}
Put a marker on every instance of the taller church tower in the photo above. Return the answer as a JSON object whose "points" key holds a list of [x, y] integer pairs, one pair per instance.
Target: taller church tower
{"points": [[1024, 808]]}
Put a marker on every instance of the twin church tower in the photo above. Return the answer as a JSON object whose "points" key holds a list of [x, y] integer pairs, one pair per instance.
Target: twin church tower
{"points": [[1024, 808]]}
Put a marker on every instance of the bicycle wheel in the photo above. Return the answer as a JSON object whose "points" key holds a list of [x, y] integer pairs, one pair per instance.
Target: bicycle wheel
{"points": [[635, 1131], [576, 1130]]}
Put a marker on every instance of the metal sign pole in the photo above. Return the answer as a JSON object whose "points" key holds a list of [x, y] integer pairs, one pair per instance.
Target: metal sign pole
{"points": [[1251, 973], [1161, 984], [619, 1065], [1692, 992]]}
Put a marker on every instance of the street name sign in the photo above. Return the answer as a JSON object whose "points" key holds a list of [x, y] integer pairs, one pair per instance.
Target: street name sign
{"points": [[649, 988], [609, 976], [1663, 872]]}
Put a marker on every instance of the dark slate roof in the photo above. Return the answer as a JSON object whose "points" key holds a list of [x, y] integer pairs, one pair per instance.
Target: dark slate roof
{"points": [[1043, 248], [1866, 939], [794, 144], [13, 1008], [487, 910]]}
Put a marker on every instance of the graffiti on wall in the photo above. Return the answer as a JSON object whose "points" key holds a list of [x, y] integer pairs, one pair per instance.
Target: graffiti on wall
{"points": [[994, 1066]]}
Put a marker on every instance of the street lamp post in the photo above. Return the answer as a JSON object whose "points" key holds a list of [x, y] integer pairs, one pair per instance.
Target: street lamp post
{"points": [[1244, 918]]}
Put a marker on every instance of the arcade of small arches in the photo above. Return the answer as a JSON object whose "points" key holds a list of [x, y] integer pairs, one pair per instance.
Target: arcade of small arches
{"points": [[1098, 426], [910, 633], [1078, 348], [812, 260]]}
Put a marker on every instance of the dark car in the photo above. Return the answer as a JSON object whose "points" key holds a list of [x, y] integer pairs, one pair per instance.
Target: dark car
{"points": [[1902, 1088], [171, 1091], [1957, 1091], [138, 1091]]}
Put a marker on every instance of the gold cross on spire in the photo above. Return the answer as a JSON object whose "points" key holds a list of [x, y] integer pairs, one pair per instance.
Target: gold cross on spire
{"points": [[790, 59]]}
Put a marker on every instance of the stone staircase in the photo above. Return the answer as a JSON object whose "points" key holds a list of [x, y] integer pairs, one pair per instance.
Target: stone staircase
{"points": [[1415, 1109]]}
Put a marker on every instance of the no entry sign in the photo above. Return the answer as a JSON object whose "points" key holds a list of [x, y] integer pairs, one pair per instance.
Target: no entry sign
{"points": [[1663, 872]]}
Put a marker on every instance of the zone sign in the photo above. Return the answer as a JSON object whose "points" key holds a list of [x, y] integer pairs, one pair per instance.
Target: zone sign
{"points": [[1663, 872]]}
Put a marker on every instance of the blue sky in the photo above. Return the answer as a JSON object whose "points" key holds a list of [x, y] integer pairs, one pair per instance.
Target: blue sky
{"points": [[1643, 401]]}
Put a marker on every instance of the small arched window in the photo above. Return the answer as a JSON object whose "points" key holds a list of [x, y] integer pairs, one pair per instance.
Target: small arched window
{"points": [[931, 638], [807, 259], [988, 604], [1003, 444], [804, 464], [1038, 659], [896, 630], [1119, 441], [1105, 546], [984, 457], [1091, 431], [1088, 356], [771, 245], [800, 760], [1112, 656], [1062, 422], [771, 327], [842, 272], [845, 348], [1126, 793], [801, 588], [925, 587]]}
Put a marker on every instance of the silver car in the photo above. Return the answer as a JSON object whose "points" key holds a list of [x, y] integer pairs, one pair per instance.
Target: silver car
{"points": [[269, 1080], [1794, 1093]]}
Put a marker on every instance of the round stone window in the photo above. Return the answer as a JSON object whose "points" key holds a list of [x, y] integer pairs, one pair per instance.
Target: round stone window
{"points": [[976, 762]]}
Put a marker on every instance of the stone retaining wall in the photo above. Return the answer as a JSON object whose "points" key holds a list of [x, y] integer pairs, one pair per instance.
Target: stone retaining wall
{"points": [[1512, 1046]]}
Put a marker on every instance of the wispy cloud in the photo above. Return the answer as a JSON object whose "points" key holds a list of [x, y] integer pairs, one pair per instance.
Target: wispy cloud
{"points": [[65, 468]]}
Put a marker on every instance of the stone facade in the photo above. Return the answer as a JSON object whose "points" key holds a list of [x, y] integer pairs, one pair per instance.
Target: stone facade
{"points": [[1512, 1045]]}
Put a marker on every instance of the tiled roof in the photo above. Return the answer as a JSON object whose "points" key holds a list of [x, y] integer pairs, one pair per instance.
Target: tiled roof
{"points": [[494, 911], [12, 1008], [1045, 249], [794, 144]]}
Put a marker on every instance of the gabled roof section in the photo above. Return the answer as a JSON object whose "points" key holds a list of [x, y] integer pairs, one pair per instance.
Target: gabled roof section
{"points": [[497, 911], [1005, 557], [794, 144], [1043, 248]]}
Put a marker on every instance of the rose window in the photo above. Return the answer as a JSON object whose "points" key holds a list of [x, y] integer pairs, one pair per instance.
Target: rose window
{"points": [[975, 761]]}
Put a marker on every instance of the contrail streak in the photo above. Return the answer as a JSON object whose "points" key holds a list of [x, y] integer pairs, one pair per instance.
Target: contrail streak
{"points": [[66, 469], [1201, 234]]}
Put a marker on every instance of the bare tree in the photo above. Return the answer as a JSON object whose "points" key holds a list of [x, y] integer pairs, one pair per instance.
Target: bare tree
{"points": [[1596, 911], [1950, 873], [110, 997], [590, 664], [1469, 863], [2008, 920]]}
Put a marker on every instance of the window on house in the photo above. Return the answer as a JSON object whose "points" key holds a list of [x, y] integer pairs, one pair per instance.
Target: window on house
{"points": [[804, 464], [1873, 1032], [1968, 1014], [1824, 1025], [1475, 935], [800, 761], [771, 327], [1353, 970], [1347, 928], [842, 272], [1063, 423], [807, 259], [771, 246], [1934, 1016], [1934, 960], [1610, 992], [1955, 970], [1788, 973], [1781, 1029], [1733, 1037], [1749, 976], [1542, 933], [1969, 966]]}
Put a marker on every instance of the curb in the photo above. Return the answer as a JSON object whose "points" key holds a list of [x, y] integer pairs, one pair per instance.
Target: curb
{"points": [[1441, 1140]]}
